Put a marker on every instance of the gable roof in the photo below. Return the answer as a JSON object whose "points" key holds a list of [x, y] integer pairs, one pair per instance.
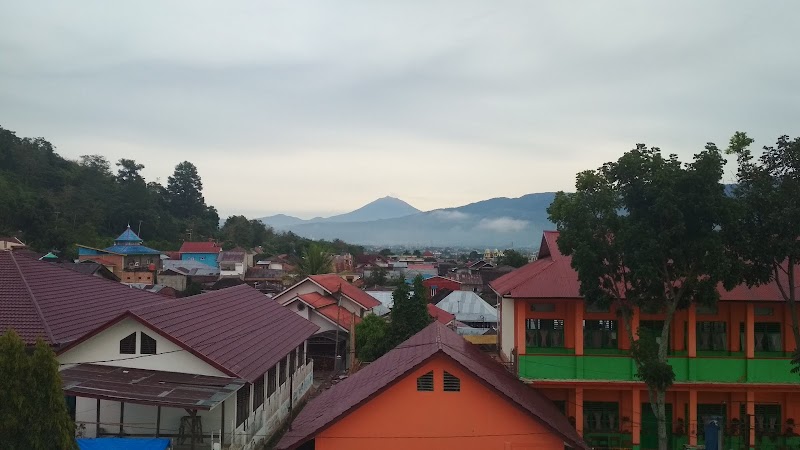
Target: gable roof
{"points": [[552, 276], [439, 314], [334, 283], [190, 267], [326, 305], [468, 307], [341, 399], [237, 330], [42, 299], [93, 268], [200, 247], [232, 256], [11, 239]]}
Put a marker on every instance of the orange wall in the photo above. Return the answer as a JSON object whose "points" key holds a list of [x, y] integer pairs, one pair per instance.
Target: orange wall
{"points": [[402, 418]]}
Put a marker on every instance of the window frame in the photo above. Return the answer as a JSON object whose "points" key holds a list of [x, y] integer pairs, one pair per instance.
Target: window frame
{"points": [[125, 341], [425, 382], [142, 344]]}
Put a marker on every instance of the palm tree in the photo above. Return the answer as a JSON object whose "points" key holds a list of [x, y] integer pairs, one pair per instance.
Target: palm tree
{"points": [[315, 261]]}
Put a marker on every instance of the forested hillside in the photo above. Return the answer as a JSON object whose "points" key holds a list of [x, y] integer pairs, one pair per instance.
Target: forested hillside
{"points": [[52, 203]]}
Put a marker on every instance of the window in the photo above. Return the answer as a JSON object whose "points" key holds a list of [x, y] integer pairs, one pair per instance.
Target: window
{"points": [[544, 333], [301, 354], [712, 336], [767, 337], [147, 346], [425, 382], [543, 307], [600, 333], [763, 311], [600, 416], [242, 404], [768, 418], [281, 373], [272, 380], [292, 360], [127, 346], [451, 383], [258, 392]]}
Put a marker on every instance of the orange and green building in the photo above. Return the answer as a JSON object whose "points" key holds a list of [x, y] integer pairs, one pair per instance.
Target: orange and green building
{"points": [[731, 361]]}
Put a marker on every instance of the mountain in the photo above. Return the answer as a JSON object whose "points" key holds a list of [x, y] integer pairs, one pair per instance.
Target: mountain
{"points": [[382, 208], [497, 222]]}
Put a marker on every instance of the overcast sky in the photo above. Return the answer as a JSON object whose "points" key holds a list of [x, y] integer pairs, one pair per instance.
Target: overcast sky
{"points": [[314, 108]]}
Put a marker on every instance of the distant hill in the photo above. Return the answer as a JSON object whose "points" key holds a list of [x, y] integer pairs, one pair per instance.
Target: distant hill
{"points": [[497, 222], [382, 208]]}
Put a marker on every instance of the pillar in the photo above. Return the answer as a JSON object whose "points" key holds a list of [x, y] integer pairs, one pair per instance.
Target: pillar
{"points": [[691, 332], [691, 422], [579, 410], [519, 326], [751, 413], [578, 321], [749, 331], [635, 323], [636, 418]]}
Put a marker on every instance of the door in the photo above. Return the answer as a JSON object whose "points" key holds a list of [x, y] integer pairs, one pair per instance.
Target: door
{"points": [[649, 431]]}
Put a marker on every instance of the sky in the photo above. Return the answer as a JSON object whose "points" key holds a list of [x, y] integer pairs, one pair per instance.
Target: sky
{"points": [[319, 107]]}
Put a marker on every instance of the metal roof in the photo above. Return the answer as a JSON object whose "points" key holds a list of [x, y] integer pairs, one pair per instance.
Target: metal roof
{"points": [[190, 267], [386, 300], [468, 306], [200, 247], [348, 395], [148, 387], [131, 250], [128, 236], [334, 283]]}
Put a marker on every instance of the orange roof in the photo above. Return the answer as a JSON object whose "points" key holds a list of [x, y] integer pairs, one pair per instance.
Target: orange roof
{"points": [[334, 283], [440, 314], [326, 305]]}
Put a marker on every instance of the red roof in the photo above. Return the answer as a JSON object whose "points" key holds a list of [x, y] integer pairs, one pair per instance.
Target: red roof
{"points": [[40, 299], [334, 283], [346, 396], [552, 276], [237, 330], [326, 305], [440, 314], [200, 247]]}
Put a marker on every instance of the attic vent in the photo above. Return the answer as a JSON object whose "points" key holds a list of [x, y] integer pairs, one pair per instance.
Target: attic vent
{"points": [[148, 345], [425, 382], [127, 345], [451, 383]]}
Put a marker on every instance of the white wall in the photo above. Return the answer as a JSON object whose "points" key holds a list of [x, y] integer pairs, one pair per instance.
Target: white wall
{"points": [[104, 346], [303, 288], [507, 327]]}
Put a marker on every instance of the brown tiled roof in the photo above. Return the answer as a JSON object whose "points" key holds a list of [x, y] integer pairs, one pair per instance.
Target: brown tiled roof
{"points": [[334, 283], [343, 398], [41, 299], [439, 314], [200, 247], [231, 256], [326, 305]]}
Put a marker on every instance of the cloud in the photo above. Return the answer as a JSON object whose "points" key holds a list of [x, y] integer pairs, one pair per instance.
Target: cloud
{"points": [[502, 224], [443, 214]]}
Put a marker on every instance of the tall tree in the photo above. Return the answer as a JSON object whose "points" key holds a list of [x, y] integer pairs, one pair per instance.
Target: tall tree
{"points": [[316, 260], [185, 191], [128, 171], [33, 413], [371, 338], [644, 232], [409, 311], [512, 258], [766, 237]]}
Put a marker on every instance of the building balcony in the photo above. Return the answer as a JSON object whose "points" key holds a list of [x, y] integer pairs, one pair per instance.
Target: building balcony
{"points": [[701, 369]]}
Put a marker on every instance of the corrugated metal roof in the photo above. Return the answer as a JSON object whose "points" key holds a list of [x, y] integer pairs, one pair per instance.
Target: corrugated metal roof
{"points": [[439, 314], [343, 398], [200, 247], [148, 387], [334, 283], [190, 267], [468, 306], [231, 256], [42, 299], [386, 300], [131, 250], [128, 236]]}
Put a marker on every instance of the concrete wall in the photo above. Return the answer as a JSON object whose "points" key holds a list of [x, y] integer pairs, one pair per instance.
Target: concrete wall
{"points": [[506, 327], [104, 346]]}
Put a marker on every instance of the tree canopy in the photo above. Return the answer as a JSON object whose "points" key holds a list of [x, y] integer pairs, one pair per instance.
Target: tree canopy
{"points": [[765, 233], [33, 413], [372, 338], [512, 258], [409, 311], [644, 232], [316, 260]]}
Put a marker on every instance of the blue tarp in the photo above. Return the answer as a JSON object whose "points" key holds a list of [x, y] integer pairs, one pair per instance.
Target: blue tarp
{"points": [[123, 443]]}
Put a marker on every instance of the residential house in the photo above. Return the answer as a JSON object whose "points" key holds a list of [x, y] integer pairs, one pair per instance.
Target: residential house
{"points": [[335, 306], [342, 263], [261, 274], [434, 284], [134, 363], [233, 263], [128, 259], [387, 301], [420, 269], [178, 274], [732, 361], [10, 242], [278, 262], [470, 310], [206, 252], [433, 391], [92, 268]]}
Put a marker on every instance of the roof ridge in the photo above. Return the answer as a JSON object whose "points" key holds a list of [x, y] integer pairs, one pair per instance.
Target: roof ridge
{"points": [[33, 298]]}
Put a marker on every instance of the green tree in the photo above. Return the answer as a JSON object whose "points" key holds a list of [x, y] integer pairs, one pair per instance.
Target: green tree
{"points": [[409, 311], [473, 255], [316, 260], [377, 277], [33, 413], [128, 171], [386, 252], [765, 235], [644, 232], [371, 338], [512, 258], [185, 191]]}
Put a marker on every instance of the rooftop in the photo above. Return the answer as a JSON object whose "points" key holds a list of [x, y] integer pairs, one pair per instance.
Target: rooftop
{"points": [[200, 247], [128, 236], [345, 397], [468, 306], [334, 283]]}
